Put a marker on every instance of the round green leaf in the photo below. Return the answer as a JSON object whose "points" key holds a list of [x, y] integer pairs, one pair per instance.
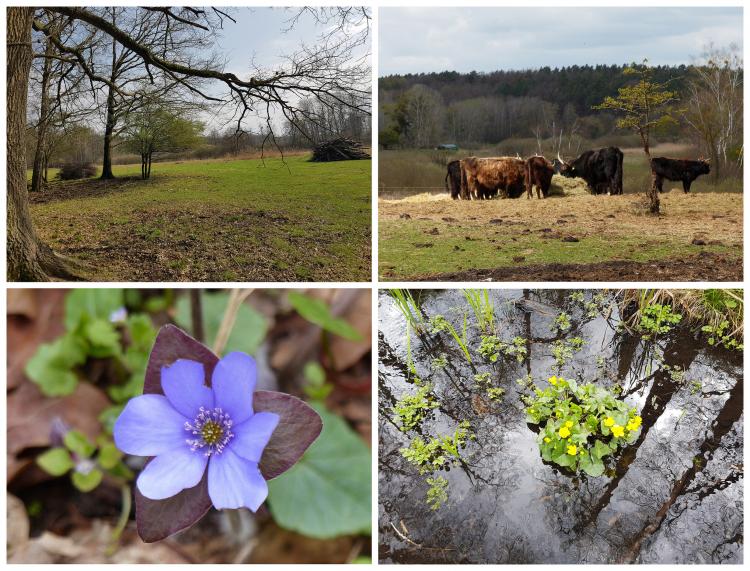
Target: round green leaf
{"points": [[327, 493], [77, 443], [55, 461], [87, 482]]}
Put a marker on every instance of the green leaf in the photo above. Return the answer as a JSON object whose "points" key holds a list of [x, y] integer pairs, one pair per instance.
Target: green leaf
{"points": [[109, 416], [103, 337], [55, 461], [96, 303], [109, 456], [51, 366], [76, 442], [592, 466], [327, 493], [600, 450], [142, 332], [249, 329], [87, 482], [316, 311]]}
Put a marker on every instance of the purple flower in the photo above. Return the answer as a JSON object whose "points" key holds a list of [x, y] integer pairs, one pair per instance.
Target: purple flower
{"points": [[192, 429]]}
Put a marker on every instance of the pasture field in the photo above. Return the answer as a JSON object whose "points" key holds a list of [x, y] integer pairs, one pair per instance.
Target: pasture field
{"points": [[222, 220], [579, 237]]}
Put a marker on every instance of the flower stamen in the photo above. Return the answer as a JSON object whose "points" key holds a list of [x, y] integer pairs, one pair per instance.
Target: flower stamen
{"points": [[212, 430]]}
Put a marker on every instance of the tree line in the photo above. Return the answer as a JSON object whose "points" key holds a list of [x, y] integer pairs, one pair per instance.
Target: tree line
{"points": [[563, 107]]}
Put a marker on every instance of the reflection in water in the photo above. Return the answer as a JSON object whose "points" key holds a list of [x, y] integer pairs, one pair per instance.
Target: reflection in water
{"points": [[505, 505]]}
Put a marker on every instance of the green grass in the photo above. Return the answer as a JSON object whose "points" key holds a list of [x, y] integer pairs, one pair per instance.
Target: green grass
{"points": [[452, 252], [217, 221]]}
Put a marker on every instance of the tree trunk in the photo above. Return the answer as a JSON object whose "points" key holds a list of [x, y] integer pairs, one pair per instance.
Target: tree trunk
{"points": [[110, 125], [653, 192], [28, 258], [41, 130]]}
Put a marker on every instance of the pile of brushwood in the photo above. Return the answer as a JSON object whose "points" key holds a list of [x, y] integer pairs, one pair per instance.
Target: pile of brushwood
{"points": [[341, 149]]}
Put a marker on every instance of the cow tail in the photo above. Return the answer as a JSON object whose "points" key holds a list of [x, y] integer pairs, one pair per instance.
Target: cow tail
{"points": [[527, 175], [447, 174], [618, 174]]}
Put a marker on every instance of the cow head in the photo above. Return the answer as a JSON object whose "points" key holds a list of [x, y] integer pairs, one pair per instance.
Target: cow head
{"points": [[704, 166], [563, 168]]}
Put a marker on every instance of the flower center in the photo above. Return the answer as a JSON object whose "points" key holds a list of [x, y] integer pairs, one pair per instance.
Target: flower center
{"points": [[211, 431]]}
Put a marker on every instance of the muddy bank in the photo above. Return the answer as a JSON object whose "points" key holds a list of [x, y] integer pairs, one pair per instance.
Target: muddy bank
{"points": [[706, 266], [672, 496]]}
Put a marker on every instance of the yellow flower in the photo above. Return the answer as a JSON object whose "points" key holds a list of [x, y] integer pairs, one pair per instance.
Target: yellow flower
{"points": [[552, 380], [618, 431], [636, 421], [609, 422], [564, 432], [572, 450], [547, 439], [569, 424]]}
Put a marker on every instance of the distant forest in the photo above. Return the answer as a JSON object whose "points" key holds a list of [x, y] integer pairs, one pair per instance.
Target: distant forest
{"points": [[552, 108]]}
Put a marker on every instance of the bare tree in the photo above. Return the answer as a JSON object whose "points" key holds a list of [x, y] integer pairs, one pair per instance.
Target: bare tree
{"points": [[319, 72], [714, 110]]}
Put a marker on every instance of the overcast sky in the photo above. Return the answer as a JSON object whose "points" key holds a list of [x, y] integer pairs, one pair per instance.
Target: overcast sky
{"points": [[414, 40]]}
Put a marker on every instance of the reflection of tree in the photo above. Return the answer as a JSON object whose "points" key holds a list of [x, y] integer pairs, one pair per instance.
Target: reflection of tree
{"points": [[729, 414], [680, 350]]}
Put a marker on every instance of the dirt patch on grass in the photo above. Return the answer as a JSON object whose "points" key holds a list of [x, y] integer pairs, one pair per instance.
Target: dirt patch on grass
{"points": [[85, 188], [703, 267]]}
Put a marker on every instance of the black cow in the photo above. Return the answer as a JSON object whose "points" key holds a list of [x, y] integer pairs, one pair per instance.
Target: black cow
{"points": [[677, 169], [453, 179], [602, 170]]}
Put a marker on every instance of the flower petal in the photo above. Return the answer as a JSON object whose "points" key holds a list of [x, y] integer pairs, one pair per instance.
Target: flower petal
{"points": [[182, 382], [233, 383], [252, 436], [170, 473], [234, 482], [149, 426]]}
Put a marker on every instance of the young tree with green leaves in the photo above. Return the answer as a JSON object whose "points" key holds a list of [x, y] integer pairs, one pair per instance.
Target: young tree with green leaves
{"points": [[645, 107], [155, 128]]}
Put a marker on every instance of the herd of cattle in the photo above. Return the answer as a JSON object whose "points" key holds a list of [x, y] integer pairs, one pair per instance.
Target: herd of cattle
{"points": [[508, 177]]}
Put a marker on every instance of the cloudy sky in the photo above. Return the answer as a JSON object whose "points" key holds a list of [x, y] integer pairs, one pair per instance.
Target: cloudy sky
{"points": [[414, 40]]}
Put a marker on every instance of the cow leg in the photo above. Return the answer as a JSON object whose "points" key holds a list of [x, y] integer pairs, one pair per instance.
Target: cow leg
{"points": [[686, 185]]}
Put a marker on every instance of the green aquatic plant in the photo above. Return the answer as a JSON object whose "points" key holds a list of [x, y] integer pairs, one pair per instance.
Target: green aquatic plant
{"points": [[580, 425], [484, 381], [408, 307], [437, 493], [562, 322], [721, 335], [436, 453], [484, 311], [410, 410], [439, 323], [563, 349], [491, 348], [657, 319], [440, 362]]}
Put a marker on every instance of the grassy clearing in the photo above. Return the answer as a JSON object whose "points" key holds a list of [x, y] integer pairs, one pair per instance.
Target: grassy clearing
{"points": [[420, 238], [224, 220]]}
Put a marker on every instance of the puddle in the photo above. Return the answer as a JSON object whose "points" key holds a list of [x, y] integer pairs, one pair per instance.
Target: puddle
{"points": [[672, 496]]}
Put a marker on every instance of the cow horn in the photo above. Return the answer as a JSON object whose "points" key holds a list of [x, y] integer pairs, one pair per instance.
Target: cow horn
{"points": [[559, 158]]}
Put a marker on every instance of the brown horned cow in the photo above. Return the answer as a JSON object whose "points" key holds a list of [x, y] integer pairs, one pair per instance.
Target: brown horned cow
{"points": [[538, 173], [486, 177]]}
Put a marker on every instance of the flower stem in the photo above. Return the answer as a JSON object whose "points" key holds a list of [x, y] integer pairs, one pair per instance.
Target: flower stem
{"points": [[230, 314], [123, 521]]}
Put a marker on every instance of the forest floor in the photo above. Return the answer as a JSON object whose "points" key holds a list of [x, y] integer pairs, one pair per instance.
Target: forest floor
{"points": [[223, 220], [698, 236]]}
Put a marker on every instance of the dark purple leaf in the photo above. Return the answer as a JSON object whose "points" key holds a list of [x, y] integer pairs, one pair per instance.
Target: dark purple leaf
{"points": [[157, 520], [299, 426], [173, 343]]}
